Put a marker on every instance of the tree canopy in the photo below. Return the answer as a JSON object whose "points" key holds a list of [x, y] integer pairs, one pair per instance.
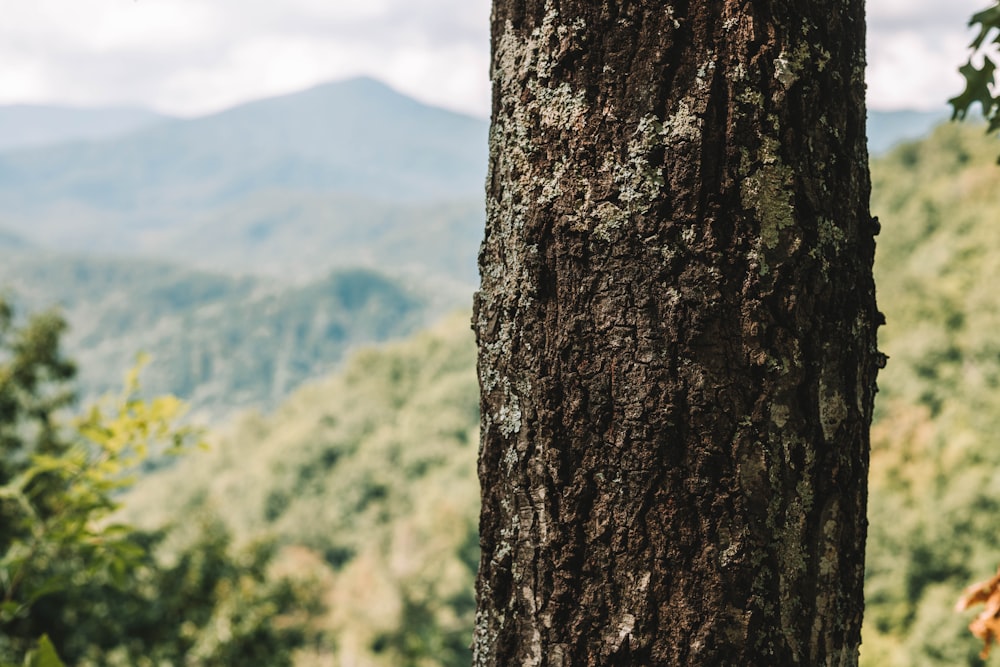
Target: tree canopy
{"points": [[78, 583]]}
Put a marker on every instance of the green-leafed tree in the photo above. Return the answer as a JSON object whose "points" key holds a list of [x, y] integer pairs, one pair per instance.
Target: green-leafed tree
{"points": [[75, 583], [981, 87], [367, 479], [934, 488]]}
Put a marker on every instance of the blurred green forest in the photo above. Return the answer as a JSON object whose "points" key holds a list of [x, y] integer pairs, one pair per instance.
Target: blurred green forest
{"points": [[372, 473], [221, 342], [351, 509], [367, 481], [935, 473], [74, 577]]}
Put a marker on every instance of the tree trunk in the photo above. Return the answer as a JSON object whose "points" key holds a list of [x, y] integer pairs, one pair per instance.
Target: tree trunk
{"points": [[677, 334]]}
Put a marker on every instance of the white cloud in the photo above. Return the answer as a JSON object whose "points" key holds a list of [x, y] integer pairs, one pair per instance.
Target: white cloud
{"points": [[452, 73], [94, 26], [909, 69], [339, 11], [914, 50], [195, 56], [22, 77], [946, 15], [457, 73], [155, 26], [258, 67]]}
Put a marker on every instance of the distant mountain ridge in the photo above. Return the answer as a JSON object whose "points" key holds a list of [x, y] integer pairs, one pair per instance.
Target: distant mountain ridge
{"points": [[350, 172], [355, 138], [24, 126], [260, 210], [887, 129], [247, 250], [219, 341]]}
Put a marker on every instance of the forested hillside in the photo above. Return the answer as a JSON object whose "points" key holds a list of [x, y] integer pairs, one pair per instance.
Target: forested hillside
{"points": [[935, 475], [368, 479], [220, 341], [247, 250], [373, 470]]}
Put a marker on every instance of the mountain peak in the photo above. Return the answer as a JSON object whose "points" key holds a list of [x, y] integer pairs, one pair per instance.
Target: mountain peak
{"points": [[356, 138], [363, 95]]}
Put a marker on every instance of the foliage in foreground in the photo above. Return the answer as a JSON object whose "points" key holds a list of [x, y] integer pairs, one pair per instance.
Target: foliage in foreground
{"points": [[986, 626], [78, 584], [368, 481]]}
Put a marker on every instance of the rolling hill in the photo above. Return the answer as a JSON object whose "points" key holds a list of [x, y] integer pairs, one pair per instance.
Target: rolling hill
{"points": [[222, 245], [372, 470], [222, 342], [297, 236], [25, 126], [347, 173], [153, 190]]}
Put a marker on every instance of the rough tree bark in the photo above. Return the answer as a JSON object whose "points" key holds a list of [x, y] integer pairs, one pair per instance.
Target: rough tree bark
{"points": [[677, 334]]}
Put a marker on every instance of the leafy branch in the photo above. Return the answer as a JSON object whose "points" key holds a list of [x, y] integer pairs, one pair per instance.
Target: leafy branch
{"points": [[60, 505], [980, 81]]}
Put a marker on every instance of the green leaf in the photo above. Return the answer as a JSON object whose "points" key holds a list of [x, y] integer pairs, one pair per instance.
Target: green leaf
{"points": [[9, 610], [43, 656], [48, 586], [988, 19], [977, 89], [980, 82]]}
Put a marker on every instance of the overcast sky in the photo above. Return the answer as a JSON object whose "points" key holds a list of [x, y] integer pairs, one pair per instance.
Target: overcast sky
{"points": [[189, 57]]}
